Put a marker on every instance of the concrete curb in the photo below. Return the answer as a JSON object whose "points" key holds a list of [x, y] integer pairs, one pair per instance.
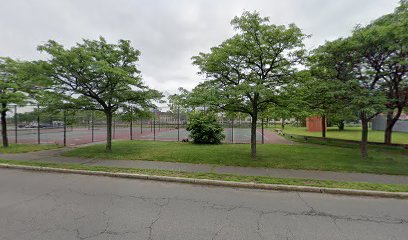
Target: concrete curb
{"points": [[251, 185]]}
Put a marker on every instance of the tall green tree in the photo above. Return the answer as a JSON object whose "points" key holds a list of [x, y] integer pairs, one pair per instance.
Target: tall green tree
{"points": [[9, 92], [385, 45], [178, 103], [20, 82], [97, 75], [246, 72], [322, 95], [382, 51], [345, 60]]}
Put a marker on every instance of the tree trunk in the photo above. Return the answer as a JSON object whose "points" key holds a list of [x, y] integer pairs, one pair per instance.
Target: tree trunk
{"points": [[108, 114], [4, 126], [340, 125], [253, 136], [391, 120], [323, 125], [364, 136], [283, 123]]}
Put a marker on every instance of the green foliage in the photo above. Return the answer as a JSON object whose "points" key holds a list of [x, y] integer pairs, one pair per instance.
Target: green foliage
{"points": [[246, 73], [345, 62], [370, 68], [204, 128], [13, 83], [19, 82], [96, 75], [321, 95], [338, 66], [132, 114], [104, 75], [180, 102], [386, 52]]}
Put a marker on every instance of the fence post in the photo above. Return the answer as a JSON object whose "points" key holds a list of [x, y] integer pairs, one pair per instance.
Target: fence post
{"points": [[232, 130], [131, 125], [263, 141], [239, 120], [141, 125], [38, 125], [65, 128], [154, 128], [93, 126], [15, 123], [89, 121], [178, 124]]}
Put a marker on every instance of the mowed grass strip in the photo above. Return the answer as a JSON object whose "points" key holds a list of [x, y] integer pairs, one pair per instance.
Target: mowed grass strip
{"points": [[349, 133], [296, 156], [224, 177], [24, 148]]}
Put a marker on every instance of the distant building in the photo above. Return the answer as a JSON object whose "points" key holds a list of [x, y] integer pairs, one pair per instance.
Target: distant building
{"points": [[314, 124], [170, 118], [380, 123]]}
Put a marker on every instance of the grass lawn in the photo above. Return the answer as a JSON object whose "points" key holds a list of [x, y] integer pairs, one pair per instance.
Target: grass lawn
{"points": [[349, 133], [225, 177], [23, 148], [296, 156]]}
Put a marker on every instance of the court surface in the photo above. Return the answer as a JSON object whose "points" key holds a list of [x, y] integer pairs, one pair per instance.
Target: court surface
{"points": [[78, 136]]}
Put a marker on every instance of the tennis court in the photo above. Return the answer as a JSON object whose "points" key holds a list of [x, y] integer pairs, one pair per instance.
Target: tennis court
{"points": [[83, 135], [33, 124]]}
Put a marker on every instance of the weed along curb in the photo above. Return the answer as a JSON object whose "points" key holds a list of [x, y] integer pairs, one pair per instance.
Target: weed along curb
{"points": [[250, 185]]}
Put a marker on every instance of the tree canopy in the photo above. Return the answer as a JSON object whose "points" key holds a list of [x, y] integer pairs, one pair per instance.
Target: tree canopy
{"points": [[97, 75], [247, 72], [20, 82]]}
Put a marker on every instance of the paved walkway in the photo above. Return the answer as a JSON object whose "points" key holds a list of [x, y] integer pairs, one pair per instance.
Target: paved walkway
{"points": [[54, 156]]}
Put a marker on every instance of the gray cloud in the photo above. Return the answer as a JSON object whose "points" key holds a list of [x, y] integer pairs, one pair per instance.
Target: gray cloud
{"points": [[169, 33]]}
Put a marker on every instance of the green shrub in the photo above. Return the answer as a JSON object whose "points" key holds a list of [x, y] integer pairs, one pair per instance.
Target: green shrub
{"points": [[204, 128]]}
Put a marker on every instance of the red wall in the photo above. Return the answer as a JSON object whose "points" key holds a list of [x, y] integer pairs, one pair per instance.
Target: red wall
{"points": [[314, 124]]}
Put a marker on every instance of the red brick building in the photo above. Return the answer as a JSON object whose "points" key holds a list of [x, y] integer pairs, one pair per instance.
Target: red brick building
{"points": [[314, 124]]}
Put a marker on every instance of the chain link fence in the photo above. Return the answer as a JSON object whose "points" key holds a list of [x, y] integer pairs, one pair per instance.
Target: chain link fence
{"points": [[35, 124]]}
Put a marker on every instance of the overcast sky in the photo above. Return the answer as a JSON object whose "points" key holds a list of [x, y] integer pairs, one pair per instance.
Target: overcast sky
{"points": [[169, 32]]}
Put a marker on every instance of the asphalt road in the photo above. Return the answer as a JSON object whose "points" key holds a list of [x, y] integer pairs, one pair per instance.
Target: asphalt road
{"points": [[43, 206]]}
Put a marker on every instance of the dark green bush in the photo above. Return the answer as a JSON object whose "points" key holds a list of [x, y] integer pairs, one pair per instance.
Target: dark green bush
{"points": [[204, 128]]}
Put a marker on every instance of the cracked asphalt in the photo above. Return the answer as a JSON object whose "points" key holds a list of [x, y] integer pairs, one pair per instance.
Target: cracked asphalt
{"points": [[38, 205]]}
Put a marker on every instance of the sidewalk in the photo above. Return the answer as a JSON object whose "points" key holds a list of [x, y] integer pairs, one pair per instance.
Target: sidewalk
{"points": [[54, 156]]}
